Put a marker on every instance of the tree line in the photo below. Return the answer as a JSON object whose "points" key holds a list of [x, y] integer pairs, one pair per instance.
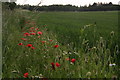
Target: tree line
{"points": [[94, 7]]}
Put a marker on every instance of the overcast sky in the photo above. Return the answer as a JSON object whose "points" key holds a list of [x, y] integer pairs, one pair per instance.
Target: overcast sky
{"points": [[73, 2]]}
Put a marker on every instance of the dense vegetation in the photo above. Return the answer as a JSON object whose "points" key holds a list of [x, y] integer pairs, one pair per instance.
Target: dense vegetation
{"points": [[60, 44], [9, 5]]}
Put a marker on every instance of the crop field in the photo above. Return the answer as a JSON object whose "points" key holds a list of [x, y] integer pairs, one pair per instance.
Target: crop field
{"points": [[60, 44], [67, 25]]}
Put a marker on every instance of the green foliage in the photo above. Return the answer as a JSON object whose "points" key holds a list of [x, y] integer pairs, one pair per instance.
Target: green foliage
{"points": [[93, 46], [9, 5]]}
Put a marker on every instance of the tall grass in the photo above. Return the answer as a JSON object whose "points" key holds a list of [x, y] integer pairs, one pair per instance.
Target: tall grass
{"points": [[94, 54]]}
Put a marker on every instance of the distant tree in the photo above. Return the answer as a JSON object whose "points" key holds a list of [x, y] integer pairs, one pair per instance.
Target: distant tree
{"points": [[10, 5], [94, 4], [101, 3], [89, 5], [110, 3], [85, 6]]}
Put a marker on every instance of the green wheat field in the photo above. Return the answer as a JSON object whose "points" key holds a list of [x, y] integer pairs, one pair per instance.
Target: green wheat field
{"points": [[60, 44]]}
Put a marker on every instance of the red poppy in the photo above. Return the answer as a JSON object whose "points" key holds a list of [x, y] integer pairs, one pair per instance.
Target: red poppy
{"points": [[32, 28], [50, 40], [26, 22], [43, 41], [32, 33], [38, 36], [39, 32], [57, 64], [29, 45], [37, 29], [56, 46], [26, 34], [24, 39], [67, 59], [53, 65], [32, 47], [25, 75], [20, 44], [73, 60]]}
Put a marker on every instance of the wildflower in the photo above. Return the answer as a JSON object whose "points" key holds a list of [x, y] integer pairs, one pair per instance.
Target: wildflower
{"points": [[37, 29], [56, 46], [32, 47], [20, 44], [39, 32], [32, 28], [112, 33], [112, 64], [24, 39], [88, 74], [73, 60], [26, 34], [53, 65], [67, 59], [43, 41], [38, 36], [29, 45], [50, 40], [32, 33], [57, 64], [25, 75]]}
